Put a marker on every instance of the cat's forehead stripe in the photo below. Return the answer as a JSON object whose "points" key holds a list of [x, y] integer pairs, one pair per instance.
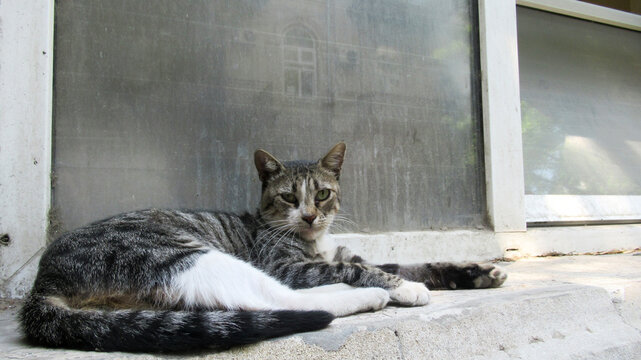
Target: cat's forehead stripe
{"points": [[303, 187]]}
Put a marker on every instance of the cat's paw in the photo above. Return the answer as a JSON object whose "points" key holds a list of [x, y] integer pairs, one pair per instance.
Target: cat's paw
{"points": [[490, 276], [359, 300], [378, 298], [410, 293]]}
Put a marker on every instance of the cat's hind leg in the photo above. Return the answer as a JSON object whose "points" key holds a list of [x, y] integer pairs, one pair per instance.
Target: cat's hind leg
{"points": [[450, 275], [220, 281]]}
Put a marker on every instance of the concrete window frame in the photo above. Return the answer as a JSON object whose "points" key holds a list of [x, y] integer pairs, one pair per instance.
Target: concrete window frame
{"points": [[501, 102], [26, 96], [544, 209]]}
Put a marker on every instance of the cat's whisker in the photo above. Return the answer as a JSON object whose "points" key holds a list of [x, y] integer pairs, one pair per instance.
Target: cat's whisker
{"points": [[285, 236], [343, 224], [268, 237], [277, 231], [343, 218]]}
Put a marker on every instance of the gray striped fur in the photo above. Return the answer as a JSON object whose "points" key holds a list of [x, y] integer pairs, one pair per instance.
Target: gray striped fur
{"points": [[104, 286]]}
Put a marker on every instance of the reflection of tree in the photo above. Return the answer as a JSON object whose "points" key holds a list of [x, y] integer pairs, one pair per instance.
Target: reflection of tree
{"points": [[573, 157], [463, 129], [542, 146]]}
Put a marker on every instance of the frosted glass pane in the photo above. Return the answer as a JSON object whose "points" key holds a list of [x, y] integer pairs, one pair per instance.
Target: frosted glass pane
{"points": [[161, 103], [581, 105]]}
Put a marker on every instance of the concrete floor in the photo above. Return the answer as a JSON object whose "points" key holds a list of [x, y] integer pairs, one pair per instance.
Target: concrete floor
{"points": [[574, 307]]}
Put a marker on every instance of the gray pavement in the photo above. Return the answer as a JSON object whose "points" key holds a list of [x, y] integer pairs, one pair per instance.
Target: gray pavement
{"points": [[573, 307]]}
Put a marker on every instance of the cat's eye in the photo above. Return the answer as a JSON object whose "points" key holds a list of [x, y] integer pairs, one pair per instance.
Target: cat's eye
{"points": [[322, 195], [289, 197]]}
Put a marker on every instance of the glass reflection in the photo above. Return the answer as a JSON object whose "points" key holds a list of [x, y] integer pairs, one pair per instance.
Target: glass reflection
{"points": [[161, 103], [581, 100]]}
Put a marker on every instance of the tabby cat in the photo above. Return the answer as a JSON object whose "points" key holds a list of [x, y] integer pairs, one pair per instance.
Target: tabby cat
{"points": [[175, 280]]}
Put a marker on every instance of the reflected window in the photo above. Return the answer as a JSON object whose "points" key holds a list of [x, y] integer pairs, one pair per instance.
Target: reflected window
{"points": [[299, 62], [389, 77]]}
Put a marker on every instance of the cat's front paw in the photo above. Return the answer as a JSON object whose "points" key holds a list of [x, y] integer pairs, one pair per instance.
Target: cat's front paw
{"points": [[410, 293], [490, 276], [378, 299], [359, 300]]}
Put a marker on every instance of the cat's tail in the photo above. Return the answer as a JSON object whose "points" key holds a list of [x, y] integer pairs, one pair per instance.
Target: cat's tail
{"points": [[48, 321]]}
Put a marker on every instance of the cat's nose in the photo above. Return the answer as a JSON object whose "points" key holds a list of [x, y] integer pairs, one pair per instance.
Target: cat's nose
{"points": [[309, 218]]}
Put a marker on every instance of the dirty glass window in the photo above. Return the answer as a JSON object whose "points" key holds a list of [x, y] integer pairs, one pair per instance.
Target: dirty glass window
{"points": [[581, 105], [162, 103]]}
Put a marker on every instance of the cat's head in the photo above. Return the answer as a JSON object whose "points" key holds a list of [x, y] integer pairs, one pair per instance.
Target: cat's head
{"points": [[301, 197]]}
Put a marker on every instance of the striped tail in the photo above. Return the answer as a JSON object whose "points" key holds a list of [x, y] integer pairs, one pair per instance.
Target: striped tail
{"points": [[48, 321]]}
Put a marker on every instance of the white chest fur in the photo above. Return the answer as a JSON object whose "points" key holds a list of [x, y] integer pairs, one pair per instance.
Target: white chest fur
{"points": [[325, 247]]}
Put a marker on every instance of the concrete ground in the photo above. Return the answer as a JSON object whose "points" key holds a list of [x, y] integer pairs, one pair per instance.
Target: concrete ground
{"points": [[574, 307]]}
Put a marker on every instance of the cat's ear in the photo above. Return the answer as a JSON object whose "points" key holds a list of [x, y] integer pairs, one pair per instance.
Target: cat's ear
{"points": [[334, 159], [266, 164]]}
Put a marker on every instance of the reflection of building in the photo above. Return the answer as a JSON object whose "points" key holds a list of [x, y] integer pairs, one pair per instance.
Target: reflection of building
{"points": [[299, 62], [366, 60], [191, 97], [332, 52], [371, 73]]}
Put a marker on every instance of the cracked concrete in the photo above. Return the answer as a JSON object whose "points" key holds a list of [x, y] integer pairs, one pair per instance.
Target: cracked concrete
{"points": [[575, 307]]}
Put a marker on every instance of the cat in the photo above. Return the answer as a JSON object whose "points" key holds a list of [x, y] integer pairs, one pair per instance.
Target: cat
{"points": [[176, 280]]}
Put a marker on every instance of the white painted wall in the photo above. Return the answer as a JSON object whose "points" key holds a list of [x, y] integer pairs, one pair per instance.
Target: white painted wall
{"points": [[26, 53]]}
